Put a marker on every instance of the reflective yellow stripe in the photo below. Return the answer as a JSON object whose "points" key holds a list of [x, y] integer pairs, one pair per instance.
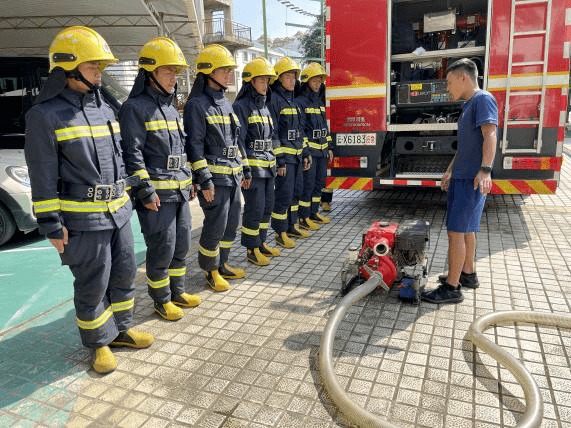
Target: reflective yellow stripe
{"points": [[96, 323], [328, 138], [294, 208], [250, 232], [310, 110], [46, 205], [155, 125], [305, 204], [171, 184], [177, 272], [288, 110], [245, 162], [287, 150], [226, 244], [199, 164], [92, 207], [142, 173], [64, 134], [318, 146], [221, 169], [279, 216], [217, 119], [259, 119], [158, 284], [322, 108], [208, 253], [262, 163], [123, 306], [264, 226], [316, 199]]}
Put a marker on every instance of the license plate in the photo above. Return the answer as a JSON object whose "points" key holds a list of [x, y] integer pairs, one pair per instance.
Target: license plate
{"points": [[356, 139]]}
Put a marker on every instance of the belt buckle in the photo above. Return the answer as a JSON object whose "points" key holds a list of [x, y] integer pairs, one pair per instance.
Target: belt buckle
{"points": [[231, 152], [316, 134], [268, 145], [291, 134], [99, 196], [258, 145], [174, 162], [120, 187], [324, 132]]}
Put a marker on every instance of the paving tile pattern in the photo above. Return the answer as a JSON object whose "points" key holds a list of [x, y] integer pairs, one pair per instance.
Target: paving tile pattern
{"points": [[249, 357]]}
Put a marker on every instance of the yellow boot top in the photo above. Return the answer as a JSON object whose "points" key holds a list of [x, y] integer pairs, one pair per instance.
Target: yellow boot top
{"points": [[284, 240], [256, 257], [187, 300], [169, 311], [216, 282], [231, 272], [133, 339], [269, 251], [104, 360]]}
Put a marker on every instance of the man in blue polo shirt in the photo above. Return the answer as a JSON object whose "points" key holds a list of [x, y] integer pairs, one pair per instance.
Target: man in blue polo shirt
{"points": [[467, 180]]}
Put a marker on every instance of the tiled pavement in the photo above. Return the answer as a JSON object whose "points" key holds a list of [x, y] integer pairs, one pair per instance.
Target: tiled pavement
{"points": [[248, 357]]}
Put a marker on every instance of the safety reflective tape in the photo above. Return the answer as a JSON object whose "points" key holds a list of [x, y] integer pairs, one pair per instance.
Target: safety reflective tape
{"points": [[123, 306], [221, 169], [525, 187], [217, 119], [322, 108], [287, 151], [208, 253], [356, 91], [318, 146], [294, 208], [171, 184], [64, 134], [245, 162], [316, 199], [226, 244], [259, 119], [305, 204], [310, 110], [177, 272], [288, 111], [328, 138], [250, 232], [92, 207], [261, 163], [264, 226], [142, 173], [199, 164], [279, 216], [158, 284], [349, 183], [97, 322], [528, 81], [46, 205], [155, 125]]}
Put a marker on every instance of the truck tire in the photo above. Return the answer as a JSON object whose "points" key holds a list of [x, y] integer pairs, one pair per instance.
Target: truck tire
{"points": [[7, 225]]}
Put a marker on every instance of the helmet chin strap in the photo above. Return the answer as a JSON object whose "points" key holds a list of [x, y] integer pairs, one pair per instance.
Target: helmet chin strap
{"points": [[163, 90], [224, 88], [76, 74]]}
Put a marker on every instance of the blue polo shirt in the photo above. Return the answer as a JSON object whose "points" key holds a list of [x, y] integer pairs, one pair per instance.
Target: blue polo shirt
{"points": [[479, 110]]}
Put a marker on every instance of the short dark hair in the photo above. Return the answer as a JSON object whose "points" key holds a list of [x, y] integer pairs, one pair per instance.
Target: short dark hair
{"points": [[464, 65]]}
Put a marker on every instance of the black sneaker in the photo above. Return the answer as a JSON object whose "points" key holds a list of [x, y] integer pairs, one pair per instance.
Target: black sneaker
{"points": [[468, 280], [444, 293]]}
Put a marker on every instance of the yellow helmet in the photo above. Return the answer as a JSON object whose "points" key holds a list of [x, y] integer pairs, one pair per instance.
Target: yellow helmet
{"points": [[312, 70], [213, 57], [161, 51], [258, 67], [75, 45], [286, 64]]}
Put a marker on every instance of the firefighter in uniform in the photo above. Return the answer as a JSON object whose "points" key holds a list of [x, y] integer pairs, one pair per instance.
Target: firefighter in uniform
{"points": [[315, 128], [79, 183], [212, 130], [255, 136], [153, 144], [291, 153]]}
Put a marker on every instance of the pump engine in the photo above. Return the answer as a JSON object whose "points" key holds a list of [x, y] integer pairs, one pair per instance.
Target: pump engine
{"points": [[396, 251]]}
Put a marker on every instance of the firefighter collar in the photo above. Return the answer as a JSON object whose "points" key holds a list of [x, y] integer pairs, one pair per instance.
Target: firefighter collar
{"points": [[287, 95], [158, 96], [217, 96], [78, 99]]}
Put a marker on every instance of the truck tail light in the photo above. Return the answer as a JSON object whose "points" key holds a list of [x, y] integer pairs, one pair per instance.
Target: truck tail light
{"points": [[533, 163], [349, 162]]}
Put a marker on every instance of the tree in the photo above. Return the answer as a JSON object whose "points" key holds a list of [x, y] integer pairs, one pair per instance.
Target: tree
{"points": [[311, 41]]}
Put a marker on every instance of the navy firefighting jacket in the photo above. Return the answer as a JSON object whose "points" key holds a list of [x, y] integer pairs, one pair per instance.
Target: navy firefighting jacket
{"points": [[256, 131], [153, 144], [289, 141], [212, 130], [314, 122], [73, 149]]}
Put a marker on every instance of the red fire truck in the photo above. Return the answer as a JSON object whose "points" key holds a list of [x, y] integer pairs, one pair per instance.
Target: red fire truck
{"points": [[391, 117]]}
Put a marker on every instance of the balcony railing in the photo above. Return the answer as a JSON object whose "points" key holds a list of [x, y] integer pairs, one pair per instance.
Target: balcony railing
{"points": [[220, 30]]}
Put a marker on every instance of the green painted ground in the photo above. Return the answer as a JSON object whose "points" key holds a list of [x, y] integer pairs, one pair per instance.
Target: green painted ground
{"points": [[32, 279]]}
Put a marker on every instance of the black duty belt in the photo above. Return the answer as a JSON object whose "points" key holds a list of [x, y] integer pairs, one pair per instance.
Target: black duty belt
{"points": [[260, 145], [170, 163], [230, 152], [99, 192], [319, 133]]}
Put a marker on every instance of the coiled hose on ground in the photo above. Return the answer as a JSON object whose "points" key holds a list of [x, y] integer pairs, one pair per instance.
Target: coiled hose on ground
{"points": [[365, 419]]}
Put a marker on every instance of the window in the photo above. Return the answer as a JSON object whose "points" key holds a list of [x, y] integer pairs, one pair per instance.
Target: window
{"points": [[245, 56]]}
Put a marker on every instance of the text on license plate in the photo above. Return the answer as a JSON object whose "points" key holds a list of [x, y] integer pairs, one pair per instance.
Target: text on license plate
{"points": [[356, 139]]}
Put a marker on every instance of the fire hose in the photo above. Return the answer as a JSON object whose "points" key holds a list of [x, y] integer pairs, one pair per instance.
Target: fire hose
{"points": [[365, 419]]}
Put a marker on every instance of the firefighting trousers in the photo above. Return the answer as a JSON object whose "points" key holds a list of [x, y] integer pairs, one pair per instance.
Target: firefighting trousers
{"points": [[313, 181], [221, 218], [326, 195], [103, 266], [167, 235], [258, 205], [297, 191], [284, 193]]}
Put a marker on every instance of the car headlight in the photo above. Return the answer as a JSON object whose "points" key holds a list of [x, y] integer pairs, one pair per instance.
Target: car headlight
{"points": [[19, 174]]}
